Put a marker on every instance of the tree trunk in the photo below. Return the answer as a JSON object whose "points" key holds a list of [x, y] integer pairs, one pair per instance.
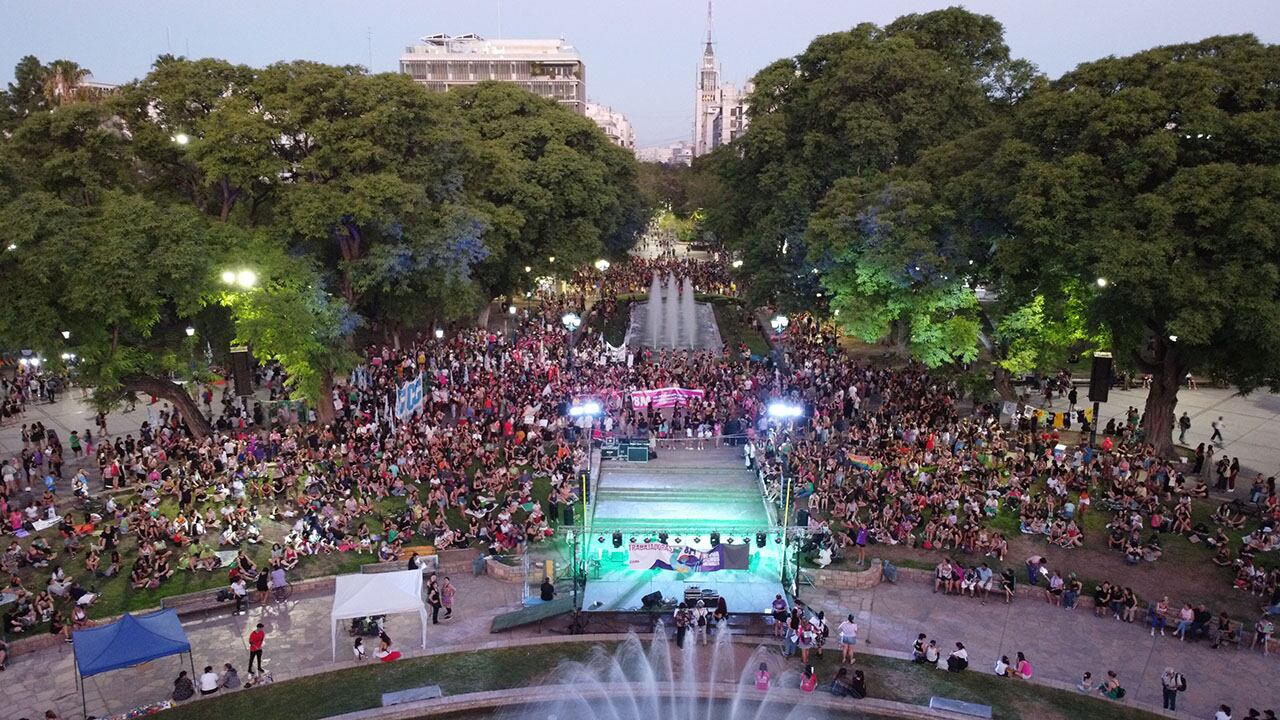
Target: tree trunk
{"points": [[325, 413], [1157, 418], [1002, 383], [166, 389], [482, 320]]}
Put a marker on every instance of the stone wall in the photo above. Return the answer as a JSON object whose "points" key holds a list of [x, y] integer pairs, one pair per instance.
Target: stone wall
{"points": [[849, 579]]}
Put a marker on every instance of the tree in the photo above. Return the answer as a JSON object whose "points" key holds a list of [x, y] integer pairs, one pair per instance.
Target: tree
{"points": [[854, 104], [890, 270], [123, 277], [552, 183], [1158, 175], [63, 82], [25, 95]]}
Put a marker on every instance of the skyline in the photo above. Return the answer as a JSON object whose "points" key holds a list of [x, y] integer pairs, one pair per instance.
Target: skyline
{"points": [[641, 59]]}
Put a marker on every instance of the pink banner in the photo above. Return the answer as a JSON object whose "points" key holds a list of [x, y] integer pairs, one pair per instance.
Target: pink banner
{"points": [[664, 397]]}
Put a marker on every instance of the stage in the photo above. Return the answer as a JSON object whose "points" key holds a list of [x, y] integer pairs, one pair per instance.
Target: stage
{"points": [[659, 527]]}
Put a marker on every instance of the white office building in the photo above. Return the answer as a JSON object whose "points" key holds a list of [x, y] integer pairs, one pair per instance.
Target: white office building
{"points": [[614, 124], [550, 68]]}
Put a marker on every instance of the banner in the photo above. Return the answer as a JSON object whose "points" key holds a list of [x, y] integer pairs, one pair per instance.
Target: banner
{"points": [[664, 397], [660, 556], [649, 556], [409, 398]]}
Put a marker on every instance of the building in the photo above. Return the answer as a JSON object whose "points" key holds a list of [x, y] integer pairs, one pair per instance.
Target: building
{"points": [[550, 68], [720, 109], [614, 124], [680, 153]]}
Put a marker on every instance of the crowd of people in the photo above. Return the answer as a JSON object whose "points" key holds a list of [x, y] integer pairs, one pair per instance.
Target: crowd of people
{"points": [[881, 455]]}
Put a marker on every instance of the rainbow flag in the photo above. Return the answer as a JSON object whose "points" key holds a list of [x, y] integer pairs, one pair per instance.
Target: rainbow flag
{"points": [[865, 462]]}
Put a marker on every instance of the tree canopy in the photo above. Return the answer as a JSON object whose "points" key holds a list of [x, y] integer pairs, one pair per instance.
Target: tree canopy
{"points": [[364, 203]]}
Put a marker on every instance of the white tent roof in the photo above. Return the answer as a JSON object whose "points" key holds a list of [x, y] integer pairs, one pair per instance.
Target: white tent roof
{"points": [[378, 594]]}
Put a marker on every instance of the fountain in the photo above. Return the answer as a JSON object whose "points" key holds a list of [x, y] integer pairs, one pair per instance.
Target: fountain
{"points": [[666, 683], [688, 314], [671, 312], [672, 317]]}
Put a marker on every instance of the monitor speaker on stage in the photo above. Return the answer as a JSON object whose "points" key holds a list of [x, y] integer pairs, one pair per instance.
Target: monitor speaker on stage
{"points": [[652, 600], [240, 370], [1100, 377]]}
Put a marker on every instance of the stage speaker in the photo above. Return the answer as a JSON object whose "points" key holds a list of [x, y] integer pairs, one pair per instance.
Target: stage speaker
{"points": [[617, 539], [652, 600], [715, 539], [1100, 377], [760, 539], [240, 370]]}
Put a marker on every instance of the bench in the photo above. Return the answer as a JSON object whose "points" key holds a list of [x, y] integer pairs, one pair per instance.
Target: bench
{"points": [[429, 563], [422, 550], [960, 706], [426, 692], [196, 602]]}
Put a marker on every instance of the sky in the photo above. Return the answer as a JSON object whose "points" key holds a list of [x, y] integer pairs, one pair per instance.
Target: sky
{"points": [[641, 55]]}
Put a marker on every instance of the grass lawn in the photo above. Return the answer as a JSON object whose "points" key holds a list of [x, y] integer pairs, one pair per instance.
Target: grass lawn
{"points": [[736, 324], [457, 673]]}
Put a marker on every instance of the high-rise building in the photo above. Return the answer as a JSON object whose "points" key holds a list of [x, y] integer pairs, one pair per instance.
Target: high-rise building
{"points": [[614, 124], [720, 110], [550, 68]]}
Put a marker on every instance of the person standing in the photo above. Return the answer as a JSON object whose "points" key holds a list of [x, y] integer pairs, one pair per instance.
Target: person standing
{"points": [[256, 639], [1184, 424], [1218, 426], [1172, 682], [447, 591], [848, 632], [239, 592], [433, 599], [682, 618]]}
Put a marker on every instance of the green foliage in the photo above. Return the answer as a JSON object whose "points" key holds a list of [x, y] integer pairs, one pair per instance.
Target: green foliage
{"points": [[1041, 335], [855, 105]]}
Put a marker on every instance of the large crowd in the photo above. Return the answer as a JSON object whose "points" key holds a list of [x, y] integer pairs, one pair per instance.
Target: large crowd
{"points": [[881, 455]]}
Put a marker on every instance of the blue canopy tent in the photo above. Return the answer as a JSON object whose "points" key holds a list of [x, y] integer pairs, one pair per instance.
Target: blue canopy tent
{"points": [[131, 640]]}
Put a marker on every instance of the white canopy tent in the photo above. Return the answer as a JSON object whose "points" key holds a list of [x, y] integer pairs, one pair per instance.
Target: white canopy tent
{"points": [[378, 594]]}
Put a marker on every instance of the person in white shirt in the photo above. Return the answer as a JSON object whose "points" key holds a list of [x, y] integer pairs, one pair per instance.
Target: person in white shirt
{"points": [[209, 681], [1224, 713]]}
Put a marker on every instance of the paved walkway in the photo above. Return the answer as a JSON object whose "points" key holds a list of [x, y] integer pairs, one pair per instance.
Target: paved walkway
{"points": [[1252, 423], [298, 643], [1060, 644]]}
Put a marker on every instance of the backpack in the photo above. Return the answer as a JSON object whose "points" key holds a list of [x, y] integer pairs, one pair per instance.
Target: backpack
{"points": [[1120, 693], [1181, 681]]}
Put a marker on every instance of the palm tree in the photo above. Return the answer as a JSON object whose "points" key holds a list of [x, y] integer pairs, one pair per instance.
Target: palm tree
{"points": [[63, 82]]}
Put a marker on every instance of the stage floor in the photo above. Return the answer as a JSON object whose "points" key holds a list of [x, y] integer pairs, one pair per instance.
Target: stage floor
{"points": [[742, 590], [681, 491]]}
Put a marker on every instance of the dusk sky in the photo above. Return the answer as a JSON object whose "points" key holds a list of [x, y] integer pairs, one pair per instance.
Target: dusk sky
{"points": [[641, 55]]}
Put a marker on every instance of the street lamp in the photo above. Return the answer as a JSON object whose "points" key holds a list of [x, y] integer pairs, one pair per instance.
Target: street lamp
{"points": [[736, 264], [182, 138], [439, 334], [528, 269], [190, 331], [1102, 282], [781, 410], [511, 309], [551, 259], [571, 321], [229, 277], [779, 323], [602, 264], [12, 247], [66, 334], [244, 278]]}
